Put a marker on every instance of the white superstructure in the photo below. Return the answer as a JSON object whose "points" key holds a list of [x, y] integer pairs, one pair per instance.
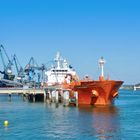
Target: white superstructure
{"points": [[60, 71]]}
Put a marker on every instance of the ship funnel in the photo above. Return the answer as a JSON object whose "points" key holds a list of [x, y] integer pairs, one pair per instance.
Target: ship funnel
{"points": [[101, 64]]}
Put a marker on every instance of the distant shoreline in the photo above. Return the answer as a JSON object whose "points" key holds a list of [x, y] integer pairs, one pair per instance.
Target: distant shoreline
{"points": [[127, 87], [131, 87]]}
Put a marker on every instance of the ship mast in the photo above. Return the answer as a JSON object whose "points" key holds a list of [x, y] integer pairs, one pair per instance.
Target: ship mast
{"points": [[101, 64], [58, 60]]}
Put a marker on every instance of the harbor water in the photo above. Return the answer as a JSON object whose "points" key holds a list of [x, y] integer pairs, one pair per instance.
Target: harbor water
{"points": [[42, 121]]}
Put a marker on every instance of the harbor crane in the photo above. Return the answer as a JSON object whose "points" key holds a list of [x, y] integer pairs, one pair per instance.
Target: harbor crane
{"points": [[31, 68], [7, 72], [19, 69]]}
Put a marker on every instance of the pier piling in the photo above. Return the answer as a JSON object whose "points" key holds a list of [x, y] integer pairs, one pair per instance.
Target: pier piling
{"points": [[50, 95], [66, 98], [10, 96], [56, 96], [76, 98]]}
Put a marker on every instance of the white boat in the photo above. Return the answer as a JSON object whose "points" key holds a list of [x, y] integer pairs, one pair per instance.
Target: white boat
{"points": [[60, 72]]}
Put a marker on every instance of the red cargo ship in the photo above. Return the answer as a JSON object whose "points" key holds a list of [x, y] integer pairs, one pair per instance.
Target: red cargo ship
{"points": [[97, 92], [100, 92]]}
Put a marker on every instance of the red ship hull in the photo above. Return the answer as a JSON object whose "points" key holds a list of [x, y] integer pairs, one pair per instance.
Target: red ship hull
{"points": [[97, 92]]}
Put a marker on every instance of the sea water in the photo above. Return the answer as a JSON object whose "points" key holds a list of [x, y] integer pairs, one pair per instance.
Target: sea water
{"points": [[42, 121]]}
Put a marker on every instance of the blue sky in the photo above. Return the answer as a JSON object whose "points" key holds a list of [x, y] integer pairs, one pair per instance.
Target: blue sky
{"points": [[82, 30]]}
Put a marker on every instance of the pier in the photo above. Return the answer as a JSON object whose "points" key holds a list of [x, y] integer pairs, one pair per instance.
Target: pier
{"points": [[30, 94], [51, 94], [136, 88], [20, 91]]}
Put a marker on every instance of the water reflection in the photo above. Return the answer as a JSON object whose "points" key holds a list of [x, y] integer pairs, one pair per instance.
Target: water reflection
{"points": [[104, 122]]}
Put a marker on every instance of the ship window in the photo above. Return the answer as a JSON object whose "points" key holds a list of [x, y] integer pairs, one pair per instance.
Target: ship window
{"points": [[60, 71]]}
